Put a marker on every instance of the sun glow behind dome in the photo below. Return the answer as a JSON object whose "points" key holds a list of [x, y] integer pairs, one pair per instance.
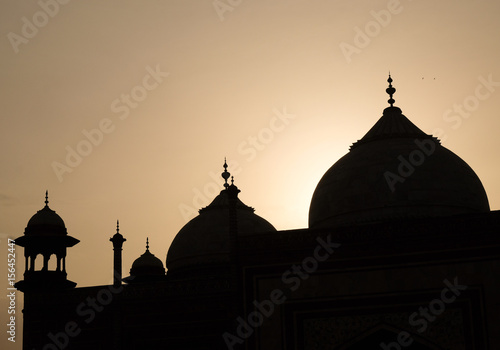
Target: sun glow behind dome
{"points": [[429, 180]]}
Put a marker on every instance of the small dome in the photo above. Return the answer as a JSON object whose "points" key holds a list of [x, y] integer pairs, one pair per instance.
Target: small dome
{"points": [[45, 222], [146, 267], [206, 239], [396, 171]]}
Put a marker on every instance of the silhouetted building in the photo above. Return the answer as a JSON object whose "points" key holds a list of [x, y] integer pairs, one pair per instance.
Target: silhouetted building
{"points": [[402, 252]]}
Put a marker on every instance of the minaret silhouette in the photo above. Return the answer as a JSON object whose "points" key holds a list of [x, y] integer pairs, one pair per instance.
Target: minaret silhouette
{"points": [[117, 240]]}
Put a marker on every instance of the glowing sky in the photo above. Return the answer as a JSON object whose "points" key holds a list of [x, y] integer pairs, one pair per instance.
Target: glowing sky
{"points": [[280, 88]]}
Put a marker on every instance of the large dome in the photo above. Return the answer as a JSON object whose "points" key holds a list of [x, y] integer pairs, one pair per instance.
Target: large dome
{"points": [[395, 171], [206, 239]]}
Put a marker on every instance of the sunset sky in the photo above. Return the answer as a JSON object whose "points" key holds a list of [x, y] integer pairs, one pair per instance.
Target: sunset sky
{"points": [[126, 109]]}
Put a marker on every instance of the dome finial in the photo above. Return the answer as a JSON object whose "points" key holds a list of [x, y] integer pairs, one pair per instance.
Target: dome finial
{"points": [[117, 226], [233, 190], [147, 243], [46, 198], [390, 90], [225, 174]]}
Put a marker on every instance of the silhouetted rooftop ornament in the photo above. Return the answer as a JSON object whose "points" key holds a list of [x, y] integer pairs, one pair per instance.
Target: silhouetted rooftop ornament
{"points": [[117, 226], [233, 190], [225, 174], [222, 200], [147, 244], [390, 90], [393, 124], [46, 198]]}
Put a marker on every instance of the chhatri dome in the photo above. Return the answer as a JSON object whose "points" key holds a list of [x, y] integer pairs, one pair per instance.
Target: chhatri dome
{"points": [[45, 221], [210, 239], [146, 268], [395, 171]]}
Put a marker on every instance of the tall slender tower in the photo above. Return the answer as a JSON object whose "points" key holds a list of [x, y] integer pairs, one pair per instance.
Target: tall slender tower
{"points": [[117, 240]]}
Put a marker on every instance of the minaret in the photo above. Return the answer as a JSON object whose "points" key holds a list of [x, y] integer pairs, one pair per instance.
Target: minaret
{"points": [[117, 240]]}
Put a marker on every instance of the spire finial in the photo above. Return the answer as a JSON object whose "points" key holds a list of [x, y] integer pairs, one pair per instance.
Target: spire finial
{"points": [[46, 198], [117, 226], [390, 90], [225, 174], [147, 243], [232, 190]]}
